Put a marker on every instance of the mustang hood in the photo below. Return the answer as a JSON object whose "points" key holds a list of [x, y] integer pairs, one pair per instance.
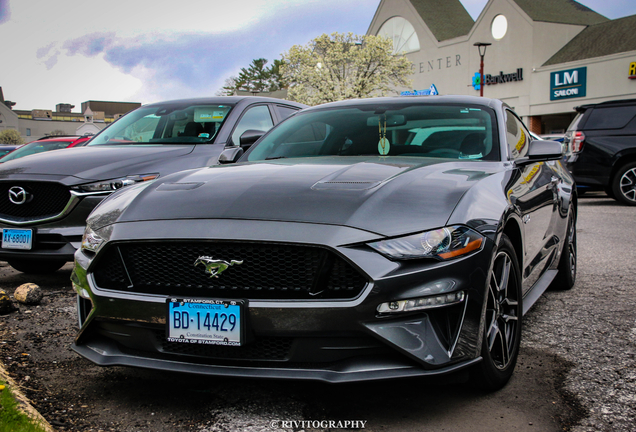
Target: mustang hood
{"points": [[94, 163], [384, 196]]}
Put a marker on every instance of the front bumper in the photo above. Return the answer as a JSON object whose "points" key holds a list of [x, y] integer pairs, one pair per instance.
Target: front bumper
{"points": [[55, 240], [333, 340]]}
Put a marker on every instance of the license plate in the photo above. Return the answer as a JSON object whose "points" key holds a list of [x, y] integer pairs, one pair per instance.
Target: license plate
{"points": [[17, 239], [205, 321]]}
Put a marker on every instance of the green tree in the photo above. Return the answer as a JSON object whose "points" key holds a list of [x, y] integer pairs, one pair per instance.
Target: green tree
{"points": [[276, 81], [256, 78], [229, 87], [343, 66], [56, 132], [11, 136]]}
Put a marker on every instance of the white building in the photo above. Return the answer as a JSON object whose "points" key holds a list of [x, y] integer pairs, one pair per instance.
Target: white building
{"points": [[546, 57]]}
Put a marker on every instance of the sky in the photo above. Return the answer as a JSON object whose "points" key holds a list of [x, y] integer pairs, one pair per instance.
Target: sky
{"points": [[71, 51]]}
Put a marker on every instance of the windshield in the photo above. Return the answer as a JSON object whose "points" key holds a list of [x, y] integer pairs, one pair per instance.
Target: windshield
{"points": [[440, 131], [166, 124], [36, 147]]}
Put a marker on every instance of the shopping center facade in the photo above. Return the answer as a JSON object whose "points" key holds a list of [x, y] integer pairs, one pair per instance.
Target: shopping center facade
{"points": [[545, 56]]}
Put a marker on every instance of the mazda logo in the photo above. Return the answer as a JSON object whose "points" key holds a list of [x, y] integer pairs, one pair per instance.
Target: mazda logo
{"points": [[17, 195]]}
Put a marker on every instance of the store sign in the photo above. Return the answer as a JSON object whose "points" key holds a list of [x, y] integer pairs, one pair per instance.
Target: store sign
{"points": [[497, 79], [440, 63], [431, 91], [632, 70], [503, 78], [568, 84]]}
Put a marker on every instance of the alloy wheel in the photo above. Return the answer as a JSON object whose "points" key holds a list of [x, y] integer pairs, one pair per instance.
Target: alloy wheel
{"points": [[628, 184], [502, 312], [572, 250]]}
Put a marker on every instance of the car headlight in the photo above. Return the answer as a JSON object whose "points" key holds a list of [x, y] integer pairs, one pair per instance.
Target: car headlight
{"points": [[114, 184], [443, 243], [91, 241]]}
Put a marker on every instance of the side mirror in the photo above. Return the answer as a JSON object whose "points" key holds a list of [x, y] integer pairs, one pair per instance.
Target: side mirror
{"points": [[542, 150], [230, 155], [545, 150], [249, 137]]}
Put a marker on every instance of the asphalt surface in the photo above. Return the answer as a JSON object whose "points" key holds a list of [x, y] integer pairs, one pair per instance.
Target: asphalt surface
{"points": [[576, 369]]}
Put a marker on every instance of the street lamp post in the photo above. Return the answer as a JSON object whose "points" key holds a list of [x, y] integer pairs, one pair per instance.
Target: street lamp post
{"points": [[479, 45]]}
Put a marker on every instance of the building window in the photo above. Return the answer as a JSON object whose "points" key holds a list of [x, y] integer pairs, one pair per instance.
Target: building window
{"points": [[499, 27], [402, 33], [28, 132]]}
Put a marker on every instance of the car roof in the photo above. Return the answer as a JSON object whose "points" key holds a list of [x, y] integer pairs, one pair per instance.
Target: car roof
{"points": [[59, 138], [412, 100], [623, 102], [221, 100]]}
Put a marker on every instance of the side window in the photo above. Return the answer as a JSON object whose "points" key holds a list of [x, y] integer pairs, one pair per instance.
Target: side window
{"points": [[285, 111], [257, 118], [610, 118], [517, 136]]}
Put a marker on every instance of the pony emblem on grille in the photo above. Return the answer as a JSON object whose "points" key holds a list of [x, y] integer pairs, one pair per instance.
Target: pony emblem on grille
{"points": [[215, 267]]}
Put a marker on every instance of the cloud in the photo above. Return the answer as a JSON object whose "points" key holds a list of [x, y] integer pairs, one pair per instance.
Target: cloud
{"points": [[42, 52], [90, 45], [5, 11], [191, 64], [51, 61], [107, 54], [47, 55]]}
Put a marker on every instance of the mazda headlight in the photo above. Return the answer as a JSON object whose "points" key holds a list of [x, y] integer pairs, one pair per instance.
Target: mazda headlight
{"points": [[443, 243], [114, 184], [91, 241]]}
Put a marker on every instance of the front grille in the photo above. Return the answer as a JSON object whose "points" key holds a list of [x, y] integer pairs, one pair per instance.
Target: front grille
{"points": [[44, 200], [264, 348], [268, 271]]}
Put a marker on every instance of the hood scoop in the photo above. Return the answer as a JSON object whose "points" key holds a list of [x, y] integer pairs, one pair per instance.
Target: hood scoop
{"points": [[179, 186], [345, 185], [361, 176]]}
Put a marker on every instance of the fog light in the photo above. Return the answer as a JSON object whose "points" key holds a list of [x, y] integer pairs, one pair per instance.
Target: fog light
{"points": [[422, 303]]}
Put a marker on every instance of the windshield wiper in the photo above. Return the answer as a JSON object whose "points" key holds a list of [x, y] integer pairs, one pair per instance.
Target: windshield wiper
{"points": [[276, 157]]}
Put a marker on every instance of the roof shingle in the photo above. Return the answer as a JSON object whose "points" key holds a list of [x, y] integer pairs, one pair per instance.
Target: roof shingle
{"points": [[560, 11], [611, 37], [446, 19]]}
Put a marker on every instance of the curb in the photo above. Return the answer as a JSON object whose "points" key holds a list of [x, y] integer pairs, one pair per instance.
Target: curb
{"points": [[24, 404]]}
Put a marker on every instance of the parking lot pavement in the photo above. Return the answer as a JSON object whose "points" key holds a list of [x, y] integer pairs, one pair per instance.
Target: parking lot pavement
{"points": [[593, 326], [576, 369]]}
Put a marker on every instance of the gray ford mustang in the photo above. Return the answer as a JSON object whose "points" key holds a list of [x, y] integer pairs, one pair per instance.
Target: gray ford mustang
{"points": [[357, 240]]}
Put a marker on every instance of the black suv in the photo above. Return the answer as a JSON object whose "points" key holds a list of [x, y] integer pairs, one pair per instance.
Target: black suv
{"points": [[601, 144]]}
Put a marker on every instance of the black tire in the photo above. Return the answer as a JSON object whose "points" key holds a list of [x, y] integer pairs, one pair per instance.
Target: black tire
{"points": [[502, 321], [35, 266], [566, 277], [624, 184]]}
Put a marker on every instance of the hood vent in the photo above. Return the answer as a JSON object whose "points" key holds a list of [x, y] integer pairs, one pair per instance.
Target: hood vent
{"points": [[344, 185]]}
